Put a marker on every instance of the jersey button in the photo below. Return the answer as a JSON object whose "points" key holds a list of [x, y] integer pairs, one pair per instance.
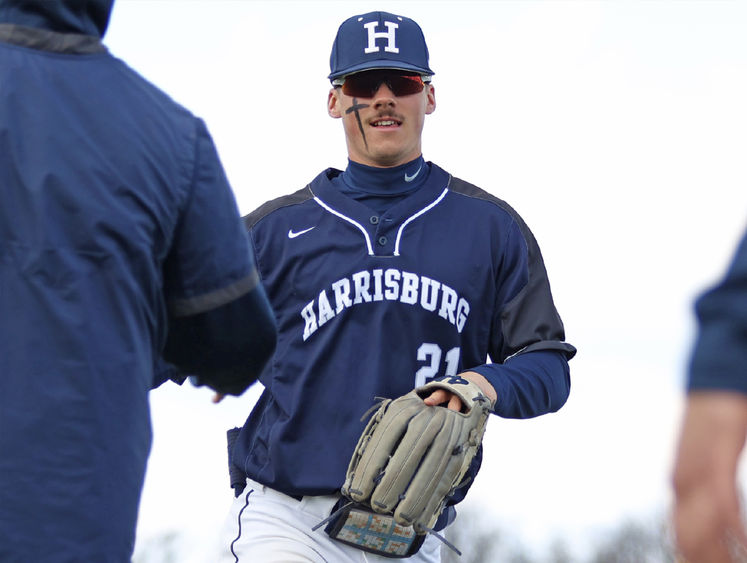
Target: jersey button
{"points": [[374, 219], [382, 241]]}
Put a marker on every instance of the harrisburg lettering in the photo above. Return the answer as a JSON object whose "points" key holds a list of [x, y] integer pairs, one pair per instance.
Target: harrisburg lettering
{"points": [[385, 285]]}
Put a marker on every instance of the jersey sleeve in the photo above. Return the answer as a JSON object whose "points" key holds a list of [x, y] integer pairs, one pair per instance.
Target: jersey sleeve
{"points": [[530, 372], [526, 315], [719, 356], [211, 262]]}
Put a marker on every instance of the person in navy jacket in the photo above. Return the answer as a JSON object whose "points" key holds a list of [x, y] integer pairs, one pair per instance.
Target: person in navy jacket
{"points": [[123, 261], [708, 510]]}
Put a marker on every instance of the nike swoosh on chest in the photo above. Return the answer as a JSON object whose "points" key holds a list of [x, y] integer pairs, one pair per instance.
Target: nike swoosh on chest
{"points": [[294, 234]]}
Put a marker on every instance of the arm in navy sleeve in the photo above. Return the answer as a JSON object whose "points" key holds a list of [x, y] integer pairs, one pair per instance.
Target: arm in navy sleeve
{"points": [[531, 376], [708, 509], [529, 384], [226, 347], [191, 344], [221, 326], [164, 372]]}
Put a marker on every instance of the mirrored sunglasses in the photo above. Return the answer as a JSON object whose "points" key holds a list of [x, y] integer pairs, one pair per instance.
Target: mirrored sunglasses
{"points": [[366, 84]]}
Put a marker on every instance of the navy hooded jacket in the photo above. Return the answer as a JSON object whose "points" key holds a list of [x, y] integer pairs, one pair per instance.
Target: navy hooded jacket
{"points": [[120, 245]]}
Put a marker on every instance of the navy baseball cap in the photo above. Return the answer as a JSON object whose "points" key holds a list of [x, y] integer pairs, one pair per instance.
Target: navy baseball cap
{"points": [[378, 40]]}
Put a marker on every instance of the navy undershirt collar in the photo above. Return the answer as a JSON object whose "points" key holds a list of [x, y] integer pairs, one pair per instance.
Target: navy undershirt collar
{"points": [[395, 181]]}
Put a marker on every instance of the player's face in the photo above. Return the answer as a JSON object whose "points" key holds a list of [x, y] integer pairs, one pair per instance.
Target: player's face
{"points": [[382, 129]]}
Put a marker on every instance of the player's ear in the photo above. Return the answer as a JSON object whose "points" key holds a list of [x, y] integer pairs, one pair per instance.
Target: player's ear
{"points": [[334, 104], [430, 101]]}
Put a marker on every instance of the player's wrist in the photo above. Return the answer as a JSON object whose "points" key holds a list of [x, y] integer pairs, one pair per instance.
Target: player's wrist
{"points": [[482, 382]]}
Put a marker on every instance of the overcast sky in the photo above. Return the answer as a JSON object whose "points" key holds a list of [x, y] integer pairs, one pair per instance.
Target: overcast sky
{"points": [[618, 130]]}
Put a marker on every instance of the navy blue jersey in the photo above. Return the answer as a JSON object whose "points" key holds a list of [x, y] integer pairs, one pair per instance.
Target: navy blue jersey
{"points": [[115, 216], [720, 354], [371, 305]]}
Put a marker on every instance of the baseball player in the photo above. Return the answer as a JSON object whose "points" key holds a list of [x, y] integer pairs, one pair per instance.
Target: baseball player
{"points": [[384, 277], [119, 238]]}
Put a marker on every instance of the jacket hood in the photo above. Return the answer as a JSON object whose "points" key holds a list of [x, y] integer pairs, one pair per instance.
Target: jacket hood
{"points": [[86, 17]]}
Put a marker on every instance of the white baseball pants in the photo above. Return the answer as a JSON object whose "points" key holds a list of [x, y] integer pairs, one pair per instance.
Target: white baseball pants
{"points": [[265, 526]]}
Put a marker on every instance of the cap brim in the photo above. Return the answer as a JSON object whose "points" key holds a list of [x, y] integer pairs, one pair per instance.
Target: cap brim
{"points": [[380, 64]]}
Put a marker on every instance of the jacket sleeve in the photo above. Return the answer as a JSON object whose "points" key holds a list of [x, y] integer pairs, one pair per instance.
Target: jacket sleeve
{"points": [[720, 353], [226, 347], [221, 326]]}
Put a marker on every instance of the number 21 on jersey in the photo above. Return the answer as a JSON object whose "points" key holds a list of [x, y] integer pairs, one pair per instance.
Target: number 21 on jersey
{"points": [[431, 354]]}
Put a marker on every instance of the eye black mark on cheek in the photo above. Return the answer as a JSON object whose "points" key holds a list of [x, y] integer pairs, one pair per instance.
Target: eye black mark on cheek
{"points": [[354, 108]]}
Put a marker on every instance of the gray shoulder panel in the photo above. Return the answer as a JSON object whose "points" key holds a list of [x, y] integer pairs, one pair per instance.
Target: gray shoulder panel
{"points": [[459, 186], [531, 316], [265, 209]]}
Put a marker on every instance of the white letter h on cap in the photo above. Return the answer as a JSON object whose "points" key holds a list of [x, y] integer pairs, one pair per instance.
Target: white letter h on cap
{"points": [[391, 46]]}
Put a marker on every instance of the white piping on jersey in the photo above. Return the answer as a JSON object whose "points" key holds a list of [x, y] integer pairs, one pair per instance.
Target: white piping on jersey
{"points": [[349, 220], [515, 353], [418, 214], [399, 231]]}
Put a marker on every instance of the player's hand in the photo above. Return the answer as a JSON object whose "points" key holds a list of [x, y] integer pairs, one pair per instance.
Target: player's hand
{"points": [[218, 397], [452, 401], [440, 397]]}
